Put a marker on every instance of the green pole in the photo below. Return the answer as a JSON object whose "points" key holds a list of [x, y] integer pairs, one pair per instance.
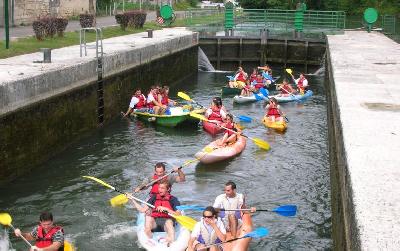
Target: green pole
{"points": [[6, 24]]}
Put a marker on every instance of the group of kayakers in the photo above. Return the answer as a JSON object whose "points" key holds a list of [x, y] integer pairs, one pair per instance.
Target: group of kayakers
{"points": [[219, 223], [157, 101]]}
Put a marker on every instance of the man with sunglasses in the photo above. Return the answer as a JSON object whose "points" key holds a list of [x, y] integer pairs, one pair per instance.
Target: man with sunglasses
{"points": [[47, 236], [231, 200]]}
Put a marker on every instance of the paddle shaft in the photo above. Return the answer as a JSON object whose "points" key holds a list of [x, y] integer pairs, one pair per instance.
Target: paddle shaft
{"points": [[22, 237], [227, 128], [215, 244]]}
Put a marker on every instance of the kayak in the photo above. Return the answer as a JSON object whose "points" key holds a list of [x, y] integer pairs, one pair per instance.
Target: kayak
{"points": [[212, 128], [248, 99], [242, 244], [157, 242], [200, 111], [277, 125], [284, 98], [220, 153], [230, 91], [178, 116]]}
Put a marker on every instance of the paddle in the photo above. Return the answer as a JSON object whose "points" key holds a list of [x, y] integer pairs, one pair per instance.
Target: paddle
{"points": [[267, 76], [259, 142], [121, 199], [185, 221], [231, 78], [285, 210], [258, 233], [264, 92], [187, 98], [5, 219]]}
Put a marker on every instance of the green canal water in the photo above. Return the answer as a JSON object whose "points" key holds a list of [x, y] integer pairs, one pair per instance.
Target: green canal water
{"points": [[294, 171]]}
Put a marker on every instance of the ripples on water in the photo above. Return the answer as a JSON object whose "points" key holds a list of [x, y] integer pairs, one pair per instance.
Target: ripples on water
{"points": [[294, 171]]}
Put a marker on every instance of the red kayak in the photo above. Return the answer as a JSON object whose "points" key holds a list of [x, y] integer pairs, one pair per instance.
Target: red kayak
{"points": [[212, 128]]}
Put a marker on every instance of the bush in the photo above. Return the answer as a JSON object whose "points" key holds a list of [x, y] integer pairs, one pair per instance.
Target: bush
{"points": [[39, 29], [122, 20], [61, 25], [136, 18], [49, 26], [86, 20]]}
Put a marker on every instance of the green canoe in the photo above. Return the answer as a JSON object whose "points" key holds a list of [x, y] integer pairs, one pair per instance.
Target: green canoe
{"points": [[163, 120], [231, 91]]}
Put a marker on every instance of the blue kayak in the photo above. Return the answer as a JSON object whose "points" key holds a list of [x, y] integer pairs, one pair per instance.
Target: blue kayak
{"points": [[285, 98]]}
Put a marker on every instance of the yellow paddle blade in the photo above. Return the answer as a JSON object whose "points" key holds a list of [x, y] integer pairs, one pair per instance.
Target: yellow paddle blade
{"points": [[289, 71], [185, 221], [68, 246], [208, 149], [184, 96], [5, 219], [241, 127], [99, 181], [119, 200], [198, 116], [261, 143]]}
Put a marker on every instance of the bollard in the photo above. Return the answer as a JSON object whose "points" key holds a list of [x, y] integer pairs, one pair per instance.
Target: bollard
{"points": [[149, 33], [46, 55]]}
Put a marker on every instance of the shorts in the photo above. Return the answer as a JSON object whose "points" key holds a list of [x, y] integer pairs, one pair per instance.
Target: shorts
{"points": [[160, 222]]}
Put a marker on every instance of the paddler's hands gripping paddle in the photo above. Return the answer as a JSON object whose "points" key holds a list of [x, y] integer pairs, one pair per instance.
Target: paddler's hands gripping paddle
{"points": [[259, 142], [185, 221]]}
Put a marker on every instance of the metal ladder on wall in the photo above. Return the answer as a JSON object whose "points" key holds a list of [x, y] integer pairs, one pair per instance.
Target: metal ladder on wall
{"points": [[99, 68]]}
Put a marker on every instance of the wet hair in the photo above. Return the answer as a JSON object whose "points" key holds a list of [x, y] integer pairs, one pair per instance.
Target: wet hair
{"points": [[212, 210], [231, 183], [160, 165], [166, 183], [46, 216]]}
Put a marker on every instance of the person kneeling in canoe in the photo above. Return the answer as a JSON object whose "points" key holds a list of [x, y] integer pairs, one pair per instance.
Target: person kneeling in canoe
{"points": [[158, 218], [272, 110], [230, 136], [137, 104], [159, 176], [209, 230], [286, 88], [228, 205], [47, 236]]}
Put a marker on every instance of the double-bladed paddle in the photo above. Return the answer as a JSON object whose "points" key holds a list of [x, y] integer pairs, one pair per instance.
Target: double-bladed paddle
{"points": [[257, 233], [184, 220], [187, 98], [259, 142], [285, 210]]}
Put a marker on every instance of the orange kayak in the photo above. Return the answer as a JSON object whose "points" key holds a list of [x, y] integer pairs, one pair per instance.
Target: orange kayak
{"points": [[220, 153]]}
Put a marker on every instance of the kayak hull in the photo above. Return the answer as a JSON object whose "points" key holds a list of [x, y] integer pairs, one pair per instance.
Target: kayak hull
{"points": [[220, 153], [163, 120], [248, 99], [212, 128], [280, 126], [157, 243], [290, 98]]}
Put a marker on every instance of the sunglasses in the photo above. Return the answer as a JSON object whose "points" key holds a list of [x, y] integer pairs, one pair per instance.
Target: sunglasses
{"points": [[210, 217]]}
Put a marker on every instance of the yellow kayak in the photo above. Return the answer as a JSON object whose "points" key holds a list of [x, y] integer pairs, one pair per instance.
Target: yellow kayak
{"points": [[277, 125]]}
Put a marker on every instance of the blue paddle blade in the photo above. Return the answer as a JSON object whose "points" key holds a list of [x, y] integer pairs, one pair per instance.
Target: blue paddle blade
{"points": [[258, 98], [264, 92], [190, 207], [258, 233], [231, 78], [267, 76], [286, 210], [244, 118]]}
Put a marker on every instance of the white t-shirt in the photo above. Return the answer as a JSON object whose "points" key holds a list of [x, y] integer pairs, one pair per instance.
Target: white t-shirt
{"points": [[221, 198], [305, 82], [134, 101], [196, 230]]}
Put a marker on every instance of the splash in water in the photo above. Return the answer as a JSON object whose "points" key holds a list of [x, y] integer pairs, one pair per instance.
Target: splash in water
{"points": [[204, 63]]}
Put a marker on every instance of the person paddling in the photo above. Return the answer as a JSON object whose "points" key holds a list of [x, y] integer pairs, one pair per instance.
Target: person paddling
{"points": [[286, 88], [273, 110], [216, 112], [229, 136], [157, 219], [159, 171], [302, 83], [209, 230], [137, 104], [48, 237], [231, 200]]}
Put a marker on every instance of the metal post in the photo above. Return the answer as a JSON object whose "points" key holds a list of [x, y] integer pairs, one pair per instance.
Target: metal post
{"points": [[6, 24]]}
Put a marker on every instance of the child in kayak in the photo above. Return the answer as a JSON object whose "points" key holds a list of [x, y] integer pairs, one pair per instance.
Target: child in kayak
{"points": [[216, 112], [302, 83], [272, 110], [286, 88], [230, 136]]}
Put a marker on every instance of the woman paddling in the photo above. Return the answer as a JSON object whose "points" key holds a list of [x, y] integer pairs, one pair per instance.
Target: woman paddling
{"points": [[230, 136]]}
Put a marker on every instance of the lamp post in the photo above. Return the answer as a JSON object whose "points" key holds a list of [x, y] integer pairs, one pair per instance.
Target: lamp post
{"points": [[6, 24]]}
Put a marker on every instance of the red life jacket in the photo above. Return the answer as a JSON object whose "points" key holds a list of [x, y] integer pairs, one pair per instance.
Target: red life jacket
{"points": [[273, 111], [285, 89], [230, 126], [164, 99], [154, 188], [142, 101], [216, 114], [150, 104], [300, 84], [164, 202], [45, 240], [240, 77], [253, 77]]}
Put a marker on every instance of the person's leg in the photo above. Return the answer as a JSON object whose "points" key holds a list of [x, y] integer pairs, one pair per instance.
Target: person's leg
{"points": [[233, 223], [223, 140], [231, 139], [156, 110], [149, 225], [169, 228]]}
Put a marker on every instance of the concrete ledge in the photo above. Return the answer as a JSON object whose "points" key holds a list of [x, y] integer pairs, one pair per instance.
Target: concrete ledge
{"points": [[24, 82], [365, 70]]}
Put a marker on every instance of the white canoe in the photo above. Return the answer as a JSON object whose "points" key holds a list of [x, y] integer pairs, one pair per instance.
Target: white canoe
{"points": [[158, 243], [248, 99]]}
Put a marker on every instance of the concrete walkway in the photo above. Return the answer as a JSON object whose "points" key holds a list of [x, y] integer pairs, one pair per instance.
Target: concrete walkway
{"points": [[366, 72]]}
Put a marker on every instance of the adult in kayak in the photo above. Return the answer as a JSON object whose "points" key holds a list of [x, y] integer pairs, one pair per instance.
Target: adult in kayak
{"points": [[137, 104], [240, 79], [157, 218], [216, 112], [301, 83], [209, 230], [286, 88], [152, 101], [159, 172], [273, 110], [231, 200], [229, 136], [48, 237]]}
